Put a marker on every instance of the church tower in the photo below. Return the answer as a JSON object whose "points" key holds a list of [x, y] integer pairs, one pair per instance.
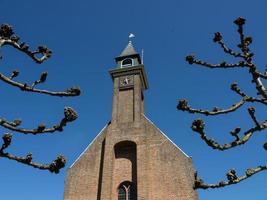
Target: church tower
{"points": [[130, 159]]}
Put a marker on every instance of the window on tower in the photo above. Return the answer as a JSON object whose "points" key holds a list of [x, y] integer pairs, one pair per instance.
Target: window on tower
{"points": [[127, 62]]}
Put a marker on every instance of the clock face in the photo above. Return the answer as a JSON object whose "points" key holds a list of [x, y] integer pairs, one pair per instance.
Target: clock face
{"points": [[126, 81]]}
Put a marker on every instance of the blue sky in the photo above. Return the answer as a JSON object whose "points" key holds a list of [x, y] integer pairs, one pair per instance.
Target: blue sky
{"points": [[85, 36]]}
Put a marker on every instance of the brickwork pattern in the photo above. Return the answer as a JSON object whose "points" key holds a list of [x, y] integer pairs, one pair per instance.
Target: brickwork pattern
{"points": [[158, 168], [163, 171]]}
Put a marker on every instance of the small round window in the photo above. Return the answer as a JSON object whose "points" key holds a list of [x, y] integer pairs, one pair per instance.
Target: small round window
{"points": [[127, 62]]}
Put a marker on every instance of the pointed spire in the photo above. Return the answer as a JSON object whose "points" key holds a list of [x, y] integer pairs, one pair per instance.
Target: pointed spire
{"points": [[129, 50]]}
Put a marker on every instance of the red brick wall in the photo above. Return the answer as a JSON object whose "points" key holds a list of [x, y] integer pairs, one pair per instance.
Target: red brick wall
{"points": [[126, 106], [159, 169], [162, 170]]}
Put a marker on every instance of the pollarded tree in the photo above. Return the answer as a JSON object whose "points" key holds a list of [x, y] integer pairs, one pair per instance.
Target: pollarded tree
{"points": [[245, 60], [8, 38]]}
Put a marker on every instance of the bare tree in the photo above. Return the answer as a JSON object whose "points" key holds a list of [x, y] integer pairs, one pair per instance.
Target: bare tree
{"points": [[245, 60], [42, 53]]}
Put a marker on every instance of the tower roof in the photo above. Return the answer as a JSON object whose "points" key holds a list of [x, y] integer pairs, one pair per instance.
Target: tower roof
{"points": [[129, 50]]}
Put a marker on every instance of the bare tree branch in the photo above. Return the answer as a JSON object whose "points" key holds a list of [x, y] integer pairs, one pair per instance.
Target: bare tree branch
{"points": [[69, 116], [199, 125], [74, 91], [192, 60], [231, 176], [248, 98], [7, 38], [218, 39], [251, 111], [183, 105], [246, 61], [257, 81], [54, 167]]}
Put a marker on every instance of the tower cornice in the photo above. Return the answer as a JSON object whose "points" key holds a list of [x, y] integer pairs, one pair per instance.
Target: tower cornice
{"points": [[139, 69]]}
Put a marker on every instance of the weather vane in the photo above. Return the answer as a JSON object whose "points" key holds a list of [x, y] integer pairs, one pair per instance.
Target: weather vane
{"points": [[131, 35]]}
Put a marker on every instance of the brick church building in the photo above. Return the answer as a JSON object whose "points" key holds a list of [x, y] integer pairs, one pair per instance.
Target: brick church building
{"points": [[130, 159]]}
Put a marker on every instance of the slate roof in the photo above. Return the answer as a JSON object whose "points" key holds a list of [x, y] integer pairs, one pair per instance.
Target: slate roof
{"points": [[129, 50]]}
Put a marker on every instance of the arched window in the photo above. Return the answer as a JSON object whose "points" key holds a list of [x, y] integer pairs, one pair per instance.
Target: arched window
{"points": [[127, 62], [121, 193], [126, 191], [125, 154], [131, 193]]}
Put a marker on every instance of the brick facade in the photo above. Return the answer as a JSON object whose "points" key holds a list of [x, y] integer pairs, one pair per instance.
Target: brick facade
{"points": [[131, 149]]}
